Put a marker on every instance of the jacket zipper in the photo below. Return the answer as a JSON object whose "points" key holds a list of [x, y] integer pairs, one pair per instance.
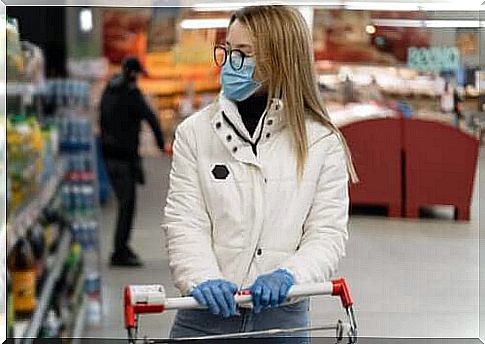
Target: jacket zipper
{"points": [[261, 206], [254, 146], [262, 187]]}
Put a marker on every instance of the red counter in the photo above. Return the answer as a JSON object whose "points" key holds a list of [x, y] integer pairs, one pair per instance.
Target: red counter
{"points": [[405, 164]]}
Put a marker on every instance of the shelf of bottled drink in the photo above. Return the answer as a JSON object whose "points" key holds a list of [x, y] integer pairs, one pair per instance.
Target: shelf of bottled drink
{"points": [[26, 215], [32, 327], [68, 291], [24, 89], [80, 192]]}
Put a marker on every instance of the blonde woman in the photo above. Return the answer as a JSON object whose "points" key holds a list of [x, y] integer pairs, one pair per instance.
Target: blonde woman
{"points": [[258, 195]]}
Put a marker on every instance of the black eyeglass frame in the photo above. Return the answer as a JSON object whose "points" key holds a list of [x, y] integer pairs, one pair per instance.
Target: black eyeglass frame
{"points": [[229, 52]]}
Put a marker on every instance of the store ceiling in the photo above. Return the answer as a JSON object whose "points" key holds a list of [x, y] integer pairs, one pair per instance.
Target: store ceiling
{"points": [[394, 5], [445, 5]]}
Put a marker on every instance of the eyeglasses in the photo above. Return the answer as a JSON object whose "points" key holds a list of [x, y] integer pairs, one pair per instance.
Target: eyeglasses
{"points": [[236, 57]]}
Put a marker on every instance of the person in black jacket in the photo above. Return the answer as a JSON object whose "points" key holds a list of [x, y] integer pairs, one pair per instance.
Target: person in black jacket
{"points": [[123, 107]]}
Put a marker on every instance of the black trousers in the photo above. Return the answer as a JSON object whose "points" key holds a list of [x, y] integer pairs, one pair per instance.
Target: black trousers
{"points": [[123, 177]]}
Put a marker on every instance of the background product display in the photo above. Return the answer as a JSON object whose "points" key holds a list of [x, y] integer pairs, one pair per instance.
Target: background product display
{"points": [[52, 211]]}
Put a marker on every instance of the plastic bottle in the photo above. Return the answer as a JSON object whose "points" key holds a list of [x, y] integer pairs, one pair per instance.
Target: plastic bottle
{"points": [[10, 309], [72, 268], [78, 204], [76, 232], [85, 128], [21, 265], [67, 199], [88, 195], [64, 131], [38, 249], [88, 167], [91, 270], [93, 233], [93, 311]]}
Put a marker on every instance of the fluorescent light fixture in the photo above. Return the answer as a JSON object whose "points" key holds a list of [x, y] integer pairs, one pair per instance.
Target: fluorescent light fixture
{"points": [[232, 6], [411, 6], [86, 20], [428, 23], [221, 6], [380, 6], [191, 24]]}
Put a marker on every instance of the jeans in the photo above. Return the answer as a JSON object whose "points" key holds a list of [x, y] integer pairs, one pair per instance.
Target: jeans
{"points": [[196, 323], [122, 175]]}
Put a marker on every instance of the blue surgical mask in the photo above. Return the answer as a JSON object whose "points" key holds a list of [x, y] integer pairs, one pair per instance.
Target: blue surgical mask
{"points": [[238, 85]]}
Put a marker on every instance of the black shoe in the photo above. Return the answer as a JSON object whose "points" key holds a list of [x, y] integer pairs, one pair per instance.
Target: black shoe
{"points": [[131, 253], [126, 261]]}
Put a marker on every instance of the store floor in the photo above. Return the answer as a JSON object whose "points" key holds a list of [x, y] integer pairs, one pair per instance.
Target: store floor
{"points": [[414, 278]]}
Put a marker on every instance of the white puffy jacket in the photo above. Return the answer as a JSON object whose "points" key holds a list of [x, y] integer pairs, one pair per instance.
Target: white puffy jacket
{"points": [[235, 215]]}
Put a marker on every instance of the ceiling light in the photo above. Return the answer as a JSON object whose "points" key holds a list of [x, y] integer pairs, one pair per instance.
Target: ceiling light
{"points": [[410, 6], [232, 6], [190, 24], [86, 20], [218, 6], [370, 29], [428, 23], [380, 6]]}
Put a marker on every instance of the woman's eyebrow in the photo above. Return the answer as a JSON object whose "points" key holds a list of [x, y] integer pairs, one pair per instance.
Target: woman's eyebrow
{"points": [[240, 46]]}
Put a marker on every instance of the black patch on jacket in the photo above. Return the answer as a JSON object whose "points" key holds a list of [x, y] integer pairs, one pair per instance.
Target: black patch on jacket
{"points": [[220, 172]]}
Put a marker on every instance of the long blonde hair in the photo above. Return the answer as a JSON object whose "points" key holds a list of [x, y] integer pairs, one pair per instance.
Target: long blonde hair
{"points": [[284, 56]]}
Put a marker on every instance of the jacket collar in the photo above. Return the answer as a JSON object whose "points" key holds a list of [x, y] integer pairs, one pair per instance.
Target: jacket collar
{"points": [[229, 127], [271, 121]]}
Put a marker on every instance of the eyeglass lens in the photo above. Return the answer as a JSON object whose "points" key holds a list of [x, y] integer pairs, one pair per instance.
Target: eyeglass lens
{"points": [[236, 59]]}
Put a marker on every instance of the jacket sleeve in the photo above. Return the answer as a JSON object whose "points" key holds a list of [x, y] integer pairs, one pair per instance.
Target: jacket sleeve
{"points": [[186, 222], [143, 110], [325, 229]]}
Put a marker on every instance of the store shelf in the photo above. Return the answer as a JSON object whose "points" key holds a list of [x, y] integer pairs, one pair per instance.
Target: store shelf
{"points": [[46, 294], [79, 324], [25, 217], [24, 89]]}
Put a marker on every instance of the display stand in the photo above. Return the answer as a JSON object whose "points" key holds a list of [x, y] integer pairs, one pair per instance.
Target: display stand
{"points": [[73, 184], [80, 190]]}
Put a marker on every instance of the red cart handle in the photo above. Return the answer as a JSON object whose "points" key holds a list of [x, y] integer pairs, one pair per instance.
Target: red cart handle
{"points": [[341, 288], [141, 307]]}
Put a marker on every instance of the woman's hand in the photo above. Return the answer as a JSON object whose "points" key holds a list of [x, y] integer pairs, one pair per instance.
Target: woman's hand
{"points": [[271, 290], [217, 296]]}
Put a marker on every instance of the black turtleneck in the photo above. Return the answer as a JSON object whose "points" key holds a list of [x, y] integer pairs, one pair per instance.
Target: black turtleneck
{"points": [[251, 111]]}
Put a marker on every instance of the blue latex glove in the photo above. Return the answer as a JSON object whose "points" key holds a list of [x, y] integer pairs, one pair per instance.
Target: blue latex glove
{"points": [[217, 296], [271, 290]]}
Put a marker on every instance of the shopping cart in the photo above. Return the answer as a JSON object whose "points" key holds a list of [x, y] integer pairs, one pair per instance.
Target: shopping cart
{"points": [[151, 299]]}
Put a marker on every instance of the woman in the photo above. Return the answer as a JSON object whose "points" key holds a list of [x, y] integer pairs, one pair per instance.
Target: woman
{"points": [[258, 195]]}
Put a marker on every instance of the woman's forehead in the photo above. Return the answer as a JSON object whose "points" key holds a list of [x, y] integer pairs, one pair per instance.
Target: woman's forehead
{"points": [[238, 36]]}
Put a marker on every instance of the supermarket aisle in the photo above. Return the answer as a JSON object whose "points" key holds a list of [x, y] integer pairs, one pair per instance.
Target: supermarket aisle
{"points": [[403, 274], [147, 242]]}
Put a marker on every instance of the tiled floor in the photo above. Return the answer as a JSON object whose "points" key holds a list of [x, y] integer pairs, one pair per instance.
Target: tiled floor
{"points": [[409, 278]]}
